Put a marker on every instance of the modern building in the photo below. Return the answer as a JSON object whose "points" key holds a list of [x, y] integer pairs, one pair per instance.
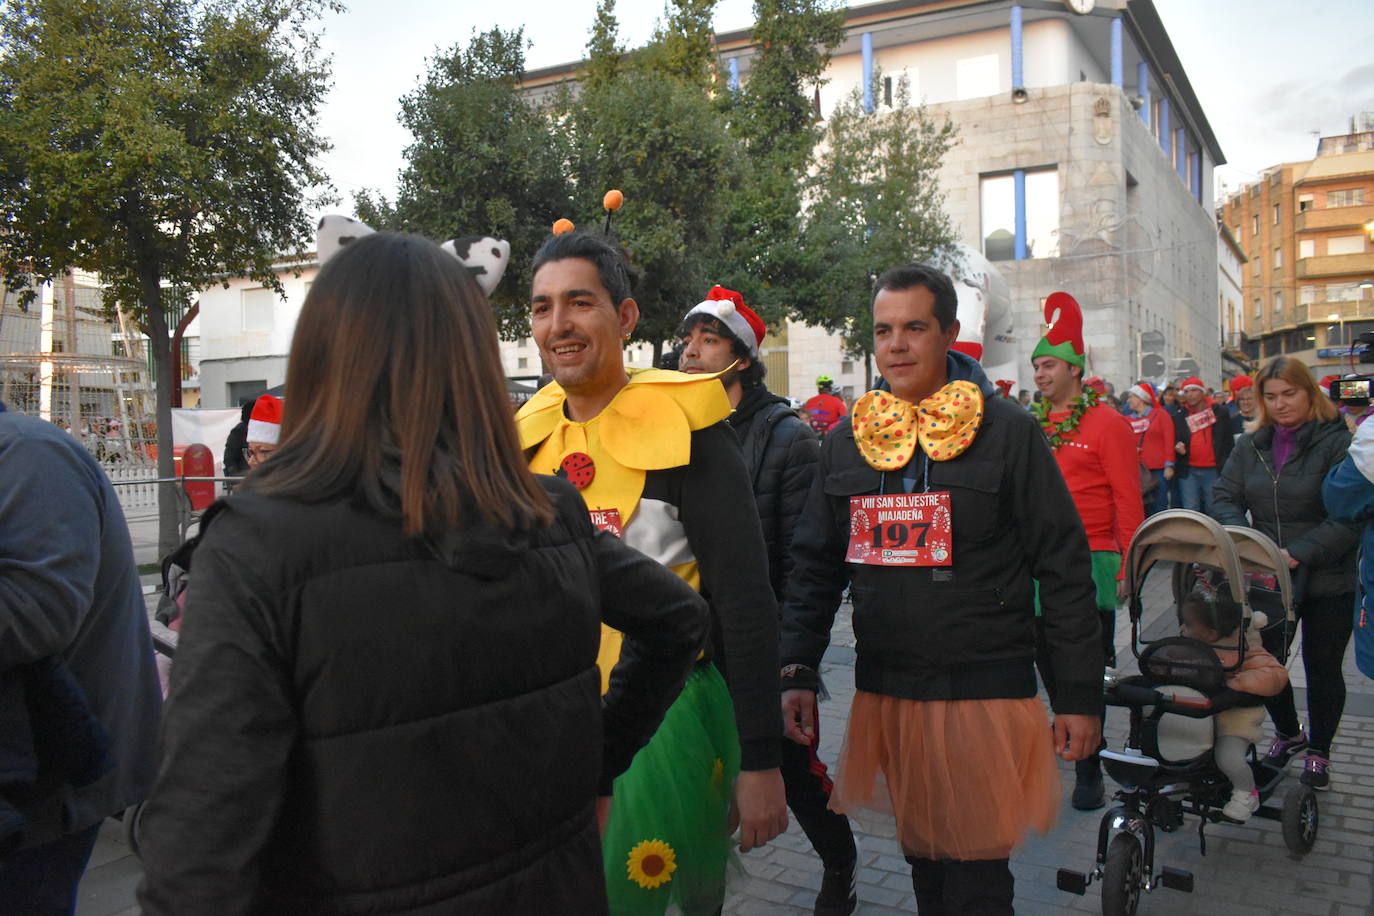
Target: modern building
{"points": [[1084, 163], [1308, 231]]}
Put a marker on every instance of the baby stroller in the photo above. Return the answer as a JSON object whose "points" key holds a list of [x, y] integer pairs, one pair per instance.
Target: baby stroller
{"points": [[1166, 769]]}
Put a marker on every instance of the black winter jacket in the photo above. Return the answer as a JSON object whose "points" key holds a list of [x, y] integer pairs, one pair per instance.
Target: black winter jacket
{"points": [[361, 722], [1222, 439], [963, 631], [780, 452], [1288, 506]]}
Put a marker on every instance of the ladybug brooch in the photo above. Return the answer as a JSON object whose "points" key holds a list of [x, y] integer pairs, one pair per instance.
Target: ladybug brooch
{"points": [[578, 469]]}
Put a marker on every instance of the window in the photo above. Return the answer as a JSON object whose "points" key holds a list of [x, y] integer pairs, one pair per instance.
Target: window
{"points": [[1259, 308], [1304, 203], [846, 366], [1307, 295], [1307, 248], [1343, 292], [1347, 197], [1276, 214], [1278, 301], [1239, 234], [1278, 258], [1345, 244], [1040, 216], [241, 393], [1254, 225], [976, 77], [522, 362], [999, 217], [258, 305]]}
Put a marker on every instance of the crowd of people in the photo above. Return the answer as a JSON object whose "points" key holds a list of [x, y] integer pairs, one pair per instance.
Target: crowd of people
{"points": [[438, 658]]}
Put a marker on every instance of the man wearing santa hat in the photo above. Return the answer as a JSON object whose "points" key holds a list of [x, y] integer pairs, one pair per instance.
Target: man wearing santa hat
{"points": [[1209, 445], [723, 335]]}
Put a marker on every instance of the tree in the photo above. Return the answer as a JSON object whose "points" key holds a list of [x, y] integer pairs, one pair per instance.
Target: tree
{"points": [[661, 143], [484, 161], [163, 144], [873, 202], [773, 116], [646, 125]]}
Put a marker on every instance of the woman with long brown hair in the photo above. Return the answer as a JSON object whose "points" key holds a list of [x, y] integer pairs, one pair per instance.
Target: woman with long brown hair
{"points": [[1275, 474], [385, 696]]}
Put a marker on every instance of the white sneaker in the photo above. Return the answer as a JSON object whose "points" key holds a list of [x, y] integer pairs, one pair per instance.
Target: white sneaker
{"points": [[1241, 806]]}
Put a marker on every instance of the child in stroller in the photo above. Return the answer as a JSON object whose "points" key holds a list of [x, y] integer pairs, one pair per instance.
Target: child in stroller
{"points": [[1210, 615]]}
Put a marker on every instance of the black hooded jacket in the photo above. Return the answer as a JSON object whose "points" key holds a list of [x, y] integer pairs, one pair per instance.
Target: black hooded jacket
{"points": [[780, 452], [963, 631]]}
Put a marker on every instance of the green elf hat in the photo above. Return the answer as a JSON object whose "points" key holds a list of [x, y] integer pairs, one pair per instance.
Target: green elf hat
{"points": [[1064, 339]]}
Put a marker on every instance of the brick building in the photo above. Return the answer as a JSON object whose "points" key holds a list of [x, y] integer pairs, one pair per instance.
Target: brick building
{"points": [[1308, 231]]}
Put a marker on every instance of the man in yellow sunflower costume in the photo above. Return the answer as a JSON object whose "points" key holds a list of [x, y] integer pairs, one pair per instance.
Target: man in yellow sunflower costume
{"points": [[657, 466], [941, 504]]}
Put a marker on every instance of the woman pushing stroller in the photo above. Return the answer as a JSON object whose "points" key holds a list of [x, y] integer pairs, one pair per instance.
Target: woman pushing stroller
{"points": [[1209, 614]]}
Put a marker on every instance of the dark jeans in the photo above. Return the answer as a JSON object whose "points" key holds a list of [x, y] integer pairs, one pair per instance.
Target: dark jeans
{"points": [[1326, 626], [1158, 501], [945, 887], [808, 793], [42, 880]]}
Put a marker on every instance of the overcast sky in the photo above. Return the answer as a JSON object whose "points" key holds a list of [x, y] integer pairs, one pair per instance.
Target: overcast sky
{"points": [[1268, 81]]}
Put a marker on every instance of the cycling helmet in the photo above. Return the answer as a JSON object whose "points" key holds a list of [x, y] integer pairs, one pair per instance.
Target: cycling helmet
{"points": [[824, 381]]}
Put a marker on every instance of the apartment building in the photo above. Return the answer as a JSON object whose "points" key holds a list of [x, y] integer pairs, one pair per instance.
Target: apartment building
{"points": [[1307, 229]]}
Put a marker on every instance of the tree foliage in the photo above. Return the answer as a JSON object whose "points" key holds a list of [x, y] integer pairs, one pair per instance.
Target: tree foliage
{"points": [[659, 142], [873, 202], [484, 161], [773, 118], [162, 144]]}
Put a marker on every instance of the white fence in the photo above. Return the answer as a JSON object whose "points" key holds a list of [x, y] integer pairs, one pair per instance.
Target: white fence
{"points": [[135, 497]]}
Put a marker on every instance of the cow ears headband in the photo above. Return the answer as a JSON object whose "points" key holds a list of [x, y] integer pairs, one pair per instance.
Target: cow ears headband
{"points": [[484, 257], [612, 200]]}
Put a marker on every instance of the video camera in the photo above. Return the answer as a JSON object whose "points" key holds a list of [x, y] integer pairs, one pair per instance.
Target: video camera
{"points": [[1356, 390]]}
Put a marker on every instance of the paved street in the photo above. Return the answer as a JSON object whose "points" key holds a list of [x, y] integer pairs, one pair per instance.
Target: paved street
{"points": [[1247, 870]]}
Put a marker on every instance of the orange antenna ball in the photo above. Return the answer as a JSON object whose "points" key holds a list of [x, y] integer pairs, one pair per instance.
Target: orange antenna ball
{"points": [[563, 226], [613, 199]]}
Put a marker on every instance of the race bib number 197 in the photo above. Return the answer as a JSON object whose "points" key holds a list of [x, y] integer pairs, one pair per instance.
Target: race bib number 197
{"points": [[906, 529]]}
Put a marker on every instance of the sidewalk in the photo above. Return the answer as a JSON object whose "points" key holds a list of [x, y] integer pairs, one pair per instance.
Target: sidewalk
{"points": [[1247, 870]]}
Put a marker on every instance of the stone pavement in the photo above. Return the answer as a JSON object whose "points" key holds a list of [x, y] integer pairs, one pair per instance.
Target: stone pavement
{"points": [[1247, 871]]}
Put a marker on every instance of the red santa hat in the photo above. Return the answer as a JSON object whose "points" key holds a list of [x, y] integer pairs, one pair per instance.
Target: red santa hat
{"points": [[264, 423], [1005, 385], [727, 307], [1146, 392], [1096, 384], [1239, 382], [1192, 382]]}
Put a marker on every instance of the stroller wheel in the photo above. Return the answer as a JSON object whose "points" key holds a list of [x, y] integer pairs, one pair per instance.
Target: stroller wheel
{"points": [[1123, 876], [1300, 820]]}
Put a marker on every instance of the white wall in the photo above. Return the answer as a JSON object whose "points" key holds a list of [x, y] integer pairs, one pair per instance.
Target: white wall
{"points": [[221, 320]]}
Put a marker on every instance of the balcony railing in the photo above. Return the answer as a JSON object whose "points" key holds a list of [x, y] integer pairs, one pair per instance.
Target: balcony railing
{"points": [[1335, 218], [1337, 265]]}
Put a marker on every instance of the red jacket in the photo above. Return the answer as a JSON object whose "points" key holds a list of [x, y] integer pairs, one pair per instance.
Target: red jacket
{"points": [[1154, 437], [1099, 463]]}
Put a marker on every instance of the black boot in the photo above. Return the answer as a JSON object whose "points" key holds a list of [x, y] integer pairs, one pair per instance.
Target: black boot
{"points": [[1089, 793]]}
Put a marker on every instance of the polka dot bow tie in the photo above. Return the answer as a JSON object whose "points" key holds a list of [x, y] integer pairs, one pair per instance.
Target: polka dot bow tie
{"points": [[887, 428]]}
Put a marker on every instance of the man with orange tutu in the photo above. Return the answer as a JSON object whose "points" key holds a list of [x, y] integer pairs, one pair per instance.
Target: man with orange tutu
{"points": [[941, 505]]}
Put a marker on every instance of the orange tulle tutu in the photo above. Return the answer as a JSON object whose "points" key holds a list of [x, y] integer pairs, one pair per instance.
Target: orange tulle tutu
{"points": [[965, 779]]}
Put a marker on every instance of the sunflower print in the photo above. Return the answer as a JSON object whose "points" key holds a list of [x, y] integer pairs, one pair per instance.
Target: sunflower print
{"points": [[651, 864]]}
